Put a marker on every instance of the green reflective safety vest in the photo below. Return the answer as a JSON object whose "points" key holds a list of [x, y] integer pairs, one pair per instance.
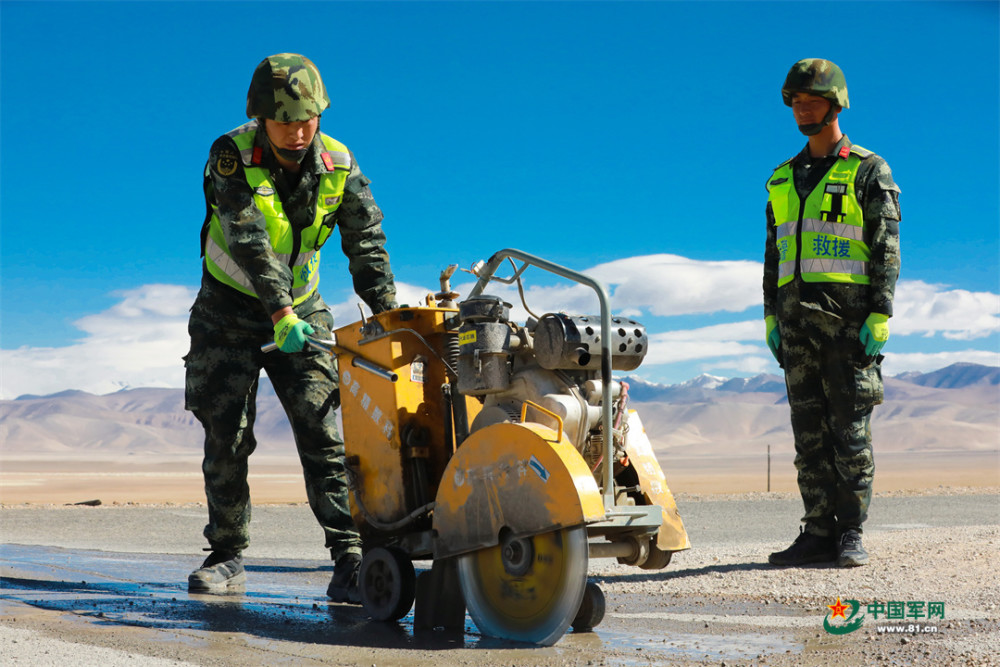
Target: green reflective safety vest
{"points": [[821, 239], [302, 257]]}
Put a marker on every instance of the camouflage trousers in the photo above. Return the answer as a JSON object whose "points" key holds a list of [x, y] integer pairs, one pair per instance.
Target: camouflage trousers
{"points": [[832, 389], [222, 372]]}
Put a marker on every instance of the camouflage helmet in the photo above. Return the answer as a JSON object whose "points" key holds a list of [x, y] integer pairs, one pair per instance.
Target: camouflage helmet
{"points": [[816, 76], [286, 87]]}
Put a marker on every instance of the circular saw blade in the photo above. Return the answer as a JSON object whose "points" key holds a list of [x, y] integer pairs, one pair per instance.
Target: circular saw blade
{"points": [[531, 602]]}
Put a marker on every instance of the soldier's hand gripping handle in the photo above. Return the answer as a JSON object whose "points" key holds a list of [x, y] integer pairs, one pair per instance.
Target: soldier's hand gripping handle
{"points": [[290, 333]]}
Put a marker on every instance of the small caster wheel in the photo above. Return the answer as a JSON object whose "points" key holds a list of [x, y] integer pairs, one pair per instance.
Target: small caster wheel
{"points": [[657, 559], [591, 609], [387, 583]]}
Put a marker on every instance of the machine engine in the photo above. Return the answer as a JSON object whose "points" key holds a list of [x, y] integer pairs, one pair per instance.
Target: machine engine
{"points": [[552, 363]]}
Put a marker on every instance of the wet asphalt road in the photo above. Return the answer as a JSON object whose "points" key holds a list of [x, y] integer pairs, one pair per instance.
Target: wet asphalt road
{"points": [[126, 566], [289, 531], [283, 617]]}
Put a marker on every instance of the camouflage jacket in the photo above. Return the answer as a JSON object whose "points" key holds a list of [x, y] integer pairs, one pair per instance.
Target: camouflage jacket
{"points": [[358, 218], [878, 196]]}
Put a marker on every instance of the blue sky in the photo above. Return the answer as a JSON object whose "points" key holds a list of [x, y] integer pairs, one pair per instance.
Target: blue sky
{"points": [[631, 140]]}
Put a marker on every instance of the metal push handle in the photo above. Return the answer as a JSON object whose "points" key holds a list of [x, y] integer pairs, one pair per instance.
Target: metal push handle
{"points": [[331, 347], [323, 345]]}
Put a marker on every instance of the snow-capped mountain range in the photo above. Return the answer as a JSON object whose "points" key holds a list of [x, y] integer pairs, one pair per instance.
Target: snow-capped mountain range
{"points": [[952, 408]]}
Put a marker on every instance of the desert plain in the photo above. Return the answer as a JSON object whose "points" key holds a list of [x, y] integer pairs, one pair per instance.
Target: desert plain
{"points": [[277, 479]]}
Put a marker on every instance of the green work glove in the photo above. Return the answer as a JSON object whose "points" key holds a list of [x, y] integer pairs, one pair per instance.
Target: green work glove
{"points": [[290, 333], [874, 333], [772, 335]]}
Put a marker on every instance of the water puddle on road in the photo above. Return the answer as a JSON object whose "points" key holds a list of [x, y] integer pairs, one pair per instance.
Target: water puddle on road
{"points": [[287, 603]]}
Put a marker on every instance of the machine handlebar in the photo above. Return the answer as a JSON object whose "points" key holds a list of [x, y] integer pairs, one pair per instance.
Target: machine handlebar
{"points": [[319, 344], [330, 347]]}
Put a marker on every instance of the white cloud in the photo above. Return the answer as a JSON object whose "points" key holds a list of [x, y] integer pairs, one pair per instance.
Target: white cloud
{"points": [[732, 331], [714, 342], [721, 348], [747, 365], [140, 340], [659, 285], [347, 311], [956, 314], [673, 285], [668, 352]]}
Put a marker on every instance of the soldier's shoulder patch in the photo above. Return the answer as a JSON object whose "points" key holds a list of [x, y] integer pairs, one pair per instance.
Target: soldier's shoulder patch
{"points": [[334, 160], [226, 162], [862, 153]]}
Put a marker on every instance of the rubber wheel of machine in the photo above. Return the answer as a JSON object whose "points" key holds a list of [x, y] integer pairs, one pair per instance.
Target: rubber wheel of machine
{"points": [[387, 583], [591, 609], [527, 589], [657, 560]]}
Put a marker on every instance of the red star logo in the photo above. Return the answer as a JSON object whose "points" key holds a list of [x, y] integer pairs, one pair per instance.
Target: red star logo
{"points": [[837, 609]]}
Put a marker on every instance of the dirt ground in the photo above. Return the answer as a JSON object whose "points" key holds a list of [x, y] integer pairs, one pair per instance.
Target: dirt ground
{"points": [[717, 604], [278, 479]]}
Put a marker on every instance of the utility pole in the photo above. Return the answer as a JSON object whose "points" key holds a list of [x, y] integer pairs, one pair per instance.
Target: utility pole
{"points": [[769, 468]]}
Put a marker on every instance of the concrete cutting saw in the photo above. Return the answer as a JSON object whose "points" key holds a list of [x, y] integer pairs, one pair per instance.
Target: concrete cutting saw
{"points": [[505, 454]]}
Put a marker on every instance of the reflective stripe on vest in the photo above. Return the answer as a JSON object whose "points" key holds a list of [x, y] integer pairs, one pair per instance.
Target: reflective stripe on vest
{"points": [[234, 276], [305, 266], [822, 238]]}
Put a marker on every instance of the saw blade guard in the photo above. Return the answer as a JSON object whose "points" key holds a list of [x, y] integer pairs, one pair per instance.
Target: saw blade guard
{"points": [[522, 479]]}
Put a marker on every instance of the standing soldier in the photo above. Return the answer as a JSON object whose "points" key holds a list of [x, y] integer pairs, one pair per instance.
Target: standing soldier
{"points": [[275, 188], [830, 269]]}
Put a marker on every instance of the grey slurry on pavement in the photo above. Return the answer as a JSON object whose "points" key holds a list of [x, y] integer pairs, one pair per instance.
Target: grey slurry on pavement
{"points": [[128, 566]]}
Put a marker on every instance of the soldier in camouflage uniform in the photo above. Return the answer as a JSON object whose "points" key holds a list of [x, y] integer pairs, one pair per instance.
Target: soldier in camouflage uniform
{"points": [[274, 189], [830, 268]]}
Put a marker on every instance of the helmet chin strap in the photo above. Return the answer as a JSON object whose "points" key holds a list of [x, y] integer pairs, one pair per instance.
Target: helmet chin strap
{"points": [[296, 156], [812, 129]]}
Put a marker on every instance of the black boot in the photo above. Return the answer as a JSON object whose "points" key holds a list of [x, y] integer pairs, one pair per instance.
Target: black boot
{"points": [[344, 585], [850, 553], [807, 548], [221, 571]]}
